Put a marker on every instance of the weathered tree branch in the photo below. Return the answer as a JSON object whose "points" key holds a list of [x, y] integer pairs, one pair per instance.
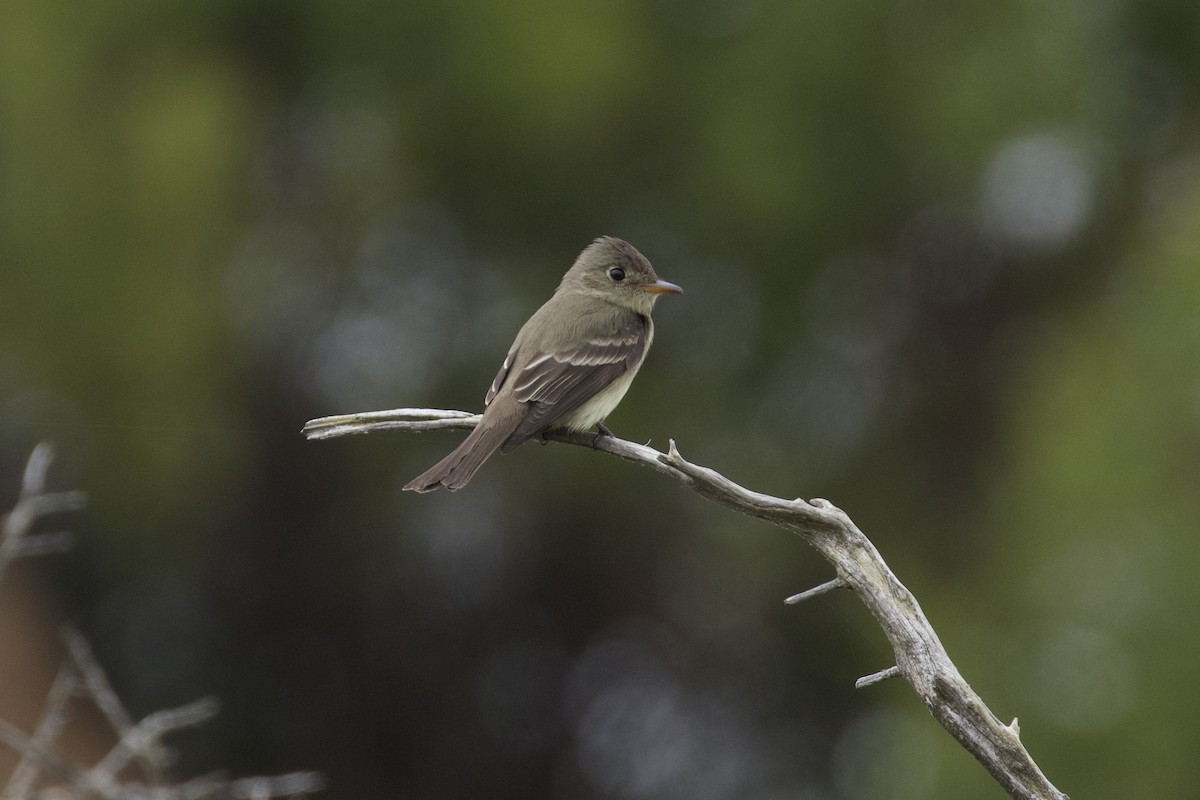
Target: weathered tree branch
{"points": [[920, 657]]}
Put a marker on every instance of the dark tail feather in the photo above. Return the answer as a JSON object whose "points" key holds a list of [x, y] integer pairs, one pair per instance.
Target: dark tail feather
{"points": [[456, 469]]}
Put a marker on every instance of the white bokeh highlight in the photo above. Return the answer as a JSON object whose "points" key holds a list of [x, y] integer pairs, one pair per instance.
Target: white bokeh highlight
{"points": [[1038, 190]]}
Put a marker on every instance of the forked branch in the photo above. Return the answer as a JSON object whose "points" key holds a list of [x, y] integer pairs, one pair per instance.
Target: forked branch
{"points": [[920, 657], [42, 773]]}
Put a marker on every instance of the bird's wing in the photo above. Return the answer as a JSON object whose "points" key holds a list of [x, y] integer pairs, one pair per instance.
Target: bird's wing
{"points": [[555, 384], [500, 376]]}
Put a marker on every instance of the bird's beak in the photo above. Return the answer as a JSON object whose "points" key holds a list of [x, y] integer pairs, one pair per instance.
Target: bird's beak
{"points": [[660, 287]]}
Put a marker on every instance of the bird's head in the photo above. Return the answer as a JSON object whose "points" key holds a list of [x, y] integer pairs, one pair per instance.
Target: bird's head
{"points": [[614, 270]]}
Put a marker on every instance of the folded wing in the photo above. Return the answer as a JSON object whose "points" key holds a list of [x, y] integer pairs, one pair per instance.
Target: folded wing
{"points": [[554, 385]]}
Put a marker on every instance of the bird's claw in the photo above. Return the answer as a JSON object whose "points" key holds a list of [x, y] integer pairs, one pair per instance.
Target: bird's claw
{"points": [[601, 430]]}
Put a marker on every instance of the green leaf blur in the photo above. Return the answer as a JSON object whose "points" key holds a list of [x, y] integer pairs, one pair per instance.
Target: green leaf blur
{"points": [[941, 267]]}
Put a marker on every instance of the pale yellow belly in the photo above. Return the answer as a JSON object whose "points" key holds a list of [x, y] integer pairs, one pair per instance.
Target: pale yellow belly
{"points": [[599, 407]]}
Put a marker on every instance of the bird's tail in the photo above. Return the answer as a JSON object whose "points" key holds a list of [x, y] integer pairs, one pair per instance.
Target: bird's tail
{"points": [[456, 469]]}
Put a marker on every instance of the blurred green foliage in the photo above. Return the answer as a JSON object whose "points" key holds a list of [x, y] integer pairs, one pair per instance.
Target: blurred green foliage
{"points": [[941, 268]]}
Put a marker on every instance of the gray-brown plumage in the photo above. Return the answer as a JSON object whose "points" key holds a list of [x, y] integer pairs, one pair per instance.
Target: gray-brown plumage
{"points": [[571, 363]]}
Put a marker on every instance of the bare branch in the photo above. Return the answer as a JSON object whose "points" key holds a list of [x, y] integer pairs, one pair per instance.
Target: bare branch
{"points": [[52, 761], [877, 677], [35, 502], [294, 784], [144, 740], [403, 419], [45, 544], [83, 676], [920, 656], [95, 681], [828, 586], [50, 725], [34, 480]]}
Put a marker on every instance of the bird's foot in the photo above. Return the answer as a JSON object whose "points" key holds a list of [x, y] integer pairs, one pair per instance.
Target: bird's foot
{"points": [[601, 430]]}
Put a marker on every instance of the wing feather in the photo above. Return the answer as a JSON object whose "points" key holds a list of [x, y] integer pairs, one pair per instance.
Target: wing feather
{"points": [[500, 376], [555, 384]]}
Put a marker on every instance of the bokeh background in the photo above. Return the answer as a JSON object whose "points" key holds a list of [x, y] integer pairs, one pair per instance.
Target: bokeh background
{"points": [[942, 264]]}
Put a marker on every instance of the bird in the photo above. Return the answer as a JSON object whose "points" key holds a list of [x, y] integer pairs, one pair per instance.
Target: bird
{"points": [[571, 362]]}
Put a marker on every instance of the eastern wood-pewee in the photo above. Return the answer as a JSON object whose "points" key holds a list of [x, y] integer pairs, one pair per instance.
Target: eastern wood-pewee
{"points": [[571, 363]]}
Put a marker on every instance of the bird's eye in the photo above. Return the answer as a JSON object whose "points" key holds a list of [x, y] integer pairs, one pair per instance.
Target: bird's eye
{"points": [[617, 274]]}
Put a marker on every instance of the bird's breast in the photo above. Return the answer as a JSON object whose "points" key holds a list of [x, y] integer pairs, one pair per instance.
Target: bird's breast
{"points": [[607, 399], [599, 407]]}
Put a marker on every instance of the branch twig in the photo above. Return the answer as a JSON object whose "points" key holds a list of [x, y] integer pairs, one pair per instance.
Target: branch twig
{"points": [[52, 721], [35, 502], [82, 676], [920, 657], [808, 594]]}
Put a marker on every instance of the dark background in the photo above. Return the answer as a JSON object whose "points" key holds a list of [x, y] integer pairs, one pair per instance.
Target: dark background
{"points": [[941, 267]]}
